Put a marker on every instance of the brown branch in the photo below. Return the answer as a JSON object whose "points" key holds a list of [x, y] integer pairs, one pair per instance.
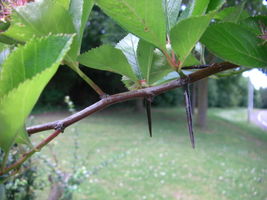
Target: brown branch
{"points": [[109, 100], [121, 97], [18, 163], [196, 67]]}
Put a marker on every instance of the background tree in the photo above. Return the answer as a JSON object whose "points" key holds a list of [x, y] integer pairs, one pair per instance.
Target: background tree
{"points": [[254, 8], [263, 97]]}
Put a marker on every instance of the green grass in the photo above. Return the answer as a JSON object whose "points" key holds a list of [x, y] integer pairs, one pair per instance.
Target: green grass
{"points": [[229, 162], [231, 114]]}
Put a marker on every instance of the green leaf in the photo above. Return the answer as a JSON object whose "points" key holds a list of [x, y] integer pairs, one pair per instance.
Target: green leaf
{"points": [[191, 60], [7, 40], [22, 136], [187, 33], [24, 75], [167, 78], [195, 8], [129, 84], [4, 26], [48, 17], [63, 3], [159, 68], [236, 44], [172, 9], [145, 54], [39, 19], [108, 58], [128, 45], [198, 8], [185, 13], [232, 14], [215, 5], [144, 18], [254, 24], [80, 10], [170, 76], [155, 71]]}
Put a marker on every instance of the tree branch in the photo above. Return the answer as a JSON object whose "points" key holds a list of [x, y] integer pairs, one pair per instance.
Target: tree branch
{"points": [[109, 100], [121, 97], [18, 163], [196, 67]]}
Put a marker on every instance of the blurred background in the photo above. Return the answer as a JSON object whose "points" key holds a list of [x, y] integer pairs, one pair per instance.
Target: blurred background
{"points": [[102, 30], [110, 155]]}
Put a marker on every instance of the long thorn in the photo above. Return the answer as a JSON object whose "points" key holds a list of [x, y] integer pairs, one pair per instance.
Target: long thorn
{"points": [[148, 113], [188, 108]]}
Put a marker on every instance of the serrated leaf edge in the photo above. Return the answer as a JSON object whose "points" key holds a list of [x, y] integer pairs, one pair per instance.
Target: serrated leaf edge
{"points": [[14, 93], [93, 49], [38, 39], [238, 63], [193, 17], [51, 69]]}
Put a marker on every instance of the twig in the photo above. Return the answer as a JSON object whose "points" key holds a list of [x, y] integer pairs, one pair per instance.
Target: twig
{"points": [[94, 86], [141, 93], [109, 100], [27, 155], [196, 67]]}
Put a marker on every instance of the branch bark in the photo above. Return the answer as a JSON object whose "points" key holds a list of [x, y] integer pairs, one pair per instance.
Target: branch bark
{"points": [[121, 97], [18, 163], [60, 125]]}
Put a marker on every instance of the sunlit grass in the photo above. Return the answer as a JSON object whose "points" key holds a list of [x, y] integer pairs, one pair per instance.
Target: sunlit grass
{"points": [[229, 161], [231, 114]]}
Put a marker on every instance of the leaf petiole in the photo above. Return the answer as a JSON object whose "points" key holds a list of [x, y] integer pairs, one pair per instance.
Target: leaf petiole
{"points": [[96, 88]]}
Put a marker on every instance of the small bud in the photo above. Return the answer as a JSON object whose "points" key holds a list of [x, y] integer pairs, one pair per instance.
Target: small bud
{"points": [[143, 83]]}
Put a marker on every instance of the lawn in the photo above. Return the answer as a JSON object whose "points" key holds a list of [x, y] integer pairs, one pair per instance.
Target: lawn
{"points": [[229, 162]]}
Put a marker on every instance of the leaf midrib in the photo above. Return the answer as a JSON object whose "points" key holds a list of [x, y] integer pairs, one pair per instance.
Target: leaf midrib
{"points": [[227, 47], [238, 49]]}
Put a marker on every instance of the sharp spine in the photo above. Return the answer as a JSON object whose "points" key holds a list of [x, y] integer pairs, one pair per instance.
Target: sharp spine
{"points": [[148, 113], [188, 108]]}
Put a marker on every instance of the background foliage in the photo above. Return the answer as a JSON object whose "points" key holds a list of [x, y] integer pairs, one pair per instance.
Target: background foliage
{"points": [[101, 29]]}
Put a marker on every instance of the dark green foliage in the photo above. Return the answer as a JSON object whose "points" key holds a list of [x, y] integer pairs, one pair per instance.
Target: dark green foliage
{"points": [[171, 98], [258, 100], [20, 187], [99, 30], [213, 93], [254, 7], [228, 92], [263, 97], [58, 88]]}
